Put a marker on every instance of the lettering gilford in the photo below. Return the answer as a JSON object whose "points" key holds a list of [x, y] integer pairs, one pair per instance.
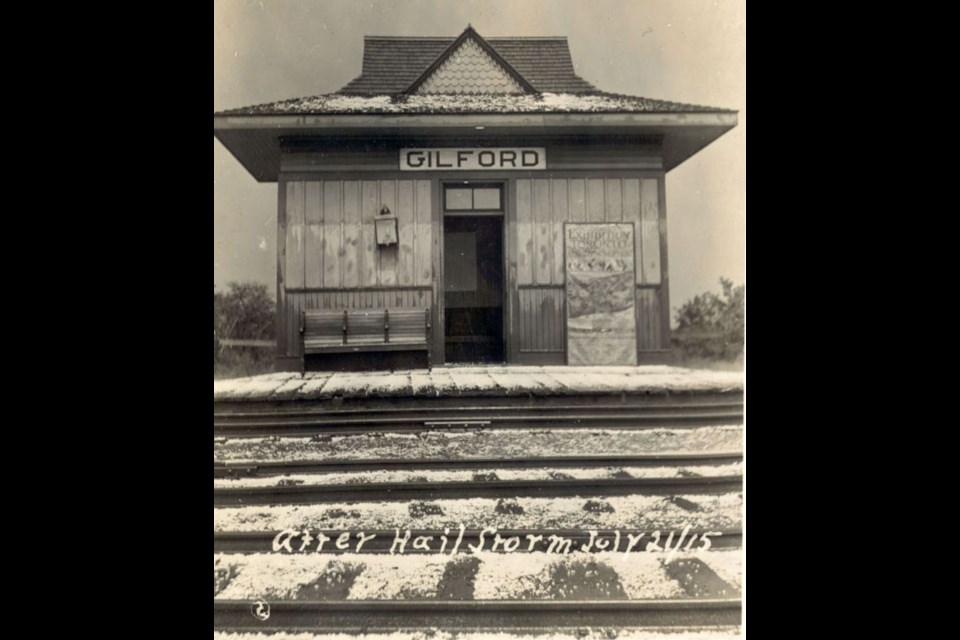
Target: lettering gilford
{"points": [[472, 159]]}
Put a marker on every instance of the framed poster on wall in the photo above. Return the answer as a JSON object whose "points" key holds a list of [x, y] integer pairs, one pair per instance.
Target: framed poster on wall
{"points": [[601, 304]]}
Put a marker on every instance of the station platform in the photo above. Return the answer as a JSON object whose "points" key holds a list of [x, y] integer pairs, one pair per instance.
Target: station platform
{"points": [[477, 381]]}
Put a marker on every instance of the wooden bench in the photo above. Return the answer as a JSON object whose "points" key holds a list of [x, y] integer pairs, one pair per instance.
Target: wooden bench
{"points": [[357, 330]]}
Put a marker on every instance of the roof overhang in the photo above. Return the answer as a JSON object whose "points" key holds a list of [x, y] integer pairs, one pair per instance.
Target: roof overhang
{"points": [[255, 140]]}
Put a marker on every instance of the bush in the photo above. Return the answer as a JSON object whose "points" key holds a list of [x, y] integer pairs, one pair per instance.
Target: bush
{"points": [[711, 326], [244, 312]]}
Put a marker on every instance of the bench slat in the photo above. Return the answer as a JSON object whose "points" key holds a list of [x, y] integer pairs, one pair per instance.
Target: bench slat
{"points": [[384, 329]]}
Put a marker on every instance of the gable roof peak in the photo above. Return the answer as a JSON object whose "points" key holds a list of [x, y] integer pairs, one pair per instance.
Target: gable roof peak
{"points": [[391, 64], [513, 76]]}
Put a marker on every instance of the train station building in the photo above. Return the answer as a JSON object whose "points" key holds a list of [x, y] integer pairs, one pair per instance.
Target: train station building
{"points": [[470, 199]]}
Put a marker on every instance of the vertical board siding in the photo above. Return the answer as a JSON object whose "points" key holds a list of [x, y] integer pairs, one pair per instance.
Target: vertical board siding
{"points": [[561, 214], [313, 213], [578, 200], [423, 242], [541, 319], [330, 243], [369, 208], [332, 234], [352, 254], [543, 260], [405, 233], [542, 207], [631, 214], [650, 234], [648, 319], [295, 234], [281, 321], [525, 254], [388, 254], [595, 204], [612, 206], [665, 272]]}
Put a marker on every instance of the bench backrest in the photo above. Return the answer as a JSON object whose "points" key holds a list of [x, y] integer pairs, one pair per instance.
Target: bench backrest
{"points": [[330, 328]]}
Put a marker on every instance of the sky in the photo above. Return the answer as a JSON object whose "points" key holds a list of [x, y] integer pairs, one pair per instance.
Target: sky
{"points": [[681, 50]]}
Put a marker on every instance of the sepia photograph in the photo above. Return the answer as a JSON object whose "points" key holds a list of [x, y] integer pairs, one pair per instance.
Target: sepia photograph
{"points": [[479, 319]]}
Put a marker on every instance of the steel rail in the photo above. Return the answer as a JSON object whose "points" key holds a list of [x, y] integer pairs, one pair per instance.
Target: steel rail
{"points": [[241, 409], [248, 468], [310, 494], [486, 614], [386, 424], [427, 408]]}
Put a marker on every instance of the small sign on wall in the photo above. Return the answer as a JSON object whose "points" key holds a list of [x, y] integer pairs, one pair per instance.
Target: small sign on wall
{"points": [[601, 301], [492, 158], [386, 226]]}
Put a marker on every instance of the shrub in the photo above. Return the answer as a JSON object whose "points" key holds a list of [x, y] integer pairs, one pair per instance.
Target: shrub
{"points": [[711, 326], [244, 312]]}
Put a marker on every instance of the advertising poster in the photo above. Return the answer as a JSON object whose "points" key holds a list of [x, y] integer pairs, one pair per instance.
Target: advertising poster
{"points": [[601, 318]]}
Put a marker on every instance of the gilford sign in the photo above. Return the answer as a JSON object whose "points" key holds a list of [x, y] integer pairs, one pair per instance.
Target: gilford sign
{"points": [[491, 158]]}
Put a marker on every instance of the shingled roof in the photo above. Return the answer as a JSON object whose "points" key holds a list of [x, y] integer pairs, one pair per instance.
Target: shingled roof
{"points": [[335, 103], [392, 64], [468, 74]]}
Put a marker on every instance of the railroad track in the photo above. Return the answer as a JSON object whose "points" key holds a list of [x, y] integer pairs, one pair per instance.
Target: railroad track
{"points": [[392, 615], [394, 491], [279, 467], [405, 415], [711, 602]]}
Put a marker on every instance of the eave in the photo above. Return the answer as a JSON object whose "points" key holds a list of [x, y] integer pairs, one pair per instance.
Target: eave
{"points": [[255, 140]]}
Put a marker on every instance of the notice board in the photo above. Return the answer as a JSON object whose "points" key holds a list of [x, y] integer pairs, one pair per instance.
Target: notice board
{"points": [[601, 315]]}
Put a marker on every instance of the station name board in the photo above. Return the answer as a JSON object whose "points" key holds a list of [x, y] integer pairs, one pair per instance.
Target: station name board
{"points": [[490, 158]]}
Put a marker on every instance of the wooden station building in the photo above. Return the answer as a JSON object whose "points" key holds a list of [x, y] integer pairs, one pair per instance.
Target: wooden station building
{"points": [[477, 198]]}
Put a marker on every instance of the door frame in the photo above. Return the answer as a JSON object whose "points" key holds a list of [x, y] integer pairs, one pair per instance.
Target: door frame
{"points": [[439, 192]]}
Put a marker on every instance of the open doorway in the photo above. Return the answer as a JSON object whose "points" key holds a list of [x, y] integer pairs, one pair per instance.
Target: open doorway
{"points": [[473, 274]]}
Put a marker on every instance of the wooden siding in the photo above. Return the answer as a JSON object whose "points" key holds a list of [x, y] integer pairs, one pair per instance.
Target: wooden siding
{"points": [[631, 213], [331, 240], [281, 321], [369, 208], [329, 258], [427, 235], [406, 222], [650, 230], [296, 301], [313, 245], [332, 235], [560, 213], [577, 200], [524, 217], [543, 205], [543, 232], [649, 329], [295, 235], [542, 319], [665, 273]]}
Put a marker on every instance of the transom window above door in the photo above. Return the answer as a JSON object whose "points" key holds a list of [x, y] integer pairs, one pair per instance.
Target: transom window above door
{"points": [[473, 198]]}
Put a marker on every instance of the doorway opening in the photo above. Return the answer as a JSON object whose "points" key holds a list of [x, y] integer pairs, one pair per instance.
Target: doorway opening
{"points": [[473, 274]]}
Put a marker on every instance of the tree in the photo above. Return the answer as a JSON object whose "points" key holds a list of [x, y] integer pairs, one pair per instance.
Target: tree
{"points": [[713, 326], [244, 312]]}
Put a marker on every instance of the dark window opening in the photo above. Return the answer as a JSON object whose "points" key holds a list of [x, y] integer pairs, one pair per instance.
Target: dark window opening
{"points": [[473, 288]]}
